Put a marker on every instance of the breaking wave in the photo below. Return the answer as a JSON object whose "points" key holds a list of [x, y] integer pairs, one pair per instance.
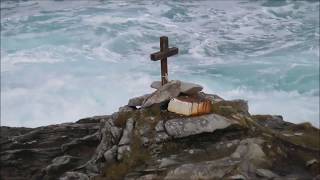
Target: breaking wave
{"points": [[63, 60]]}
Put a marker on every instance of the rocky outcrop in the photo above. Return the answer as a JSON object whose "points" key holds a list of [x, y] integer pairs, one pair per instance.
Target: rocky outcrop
{"points": [[149, 143], [47, 152], [241, 161]]}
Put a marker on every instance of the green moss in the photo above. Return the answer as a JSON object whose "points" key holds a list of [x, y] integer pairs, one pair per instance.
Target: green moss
{"points": [[135, 158], [243, 121], [122, 118], [138, 155], [169, 148], [228, 108], [261, 117], [308, 139], [306, 126], [153, 111]]}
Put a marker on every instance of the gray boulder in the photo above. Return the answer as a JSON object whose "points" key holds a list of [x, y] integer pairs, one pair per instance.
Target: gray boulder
{"points": [[164, 93], [138, 101], [243, 161], [110, 135], [183, 127], [250, 154], [185, 88]]}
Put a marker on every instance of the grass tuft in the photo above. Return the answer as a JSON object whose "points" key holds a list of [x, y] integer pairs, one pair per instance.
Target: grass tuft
{"points": [[135, 158]]}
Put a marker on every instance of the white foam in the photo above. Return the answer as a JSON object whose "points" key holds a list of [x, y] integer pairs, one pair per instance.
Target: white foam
{"points": [[293, 106], [61, 61], [59, 98]]}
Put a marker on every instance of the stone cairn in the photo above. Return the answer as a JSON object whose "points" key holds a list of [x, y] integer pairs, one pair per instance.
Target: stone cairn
{"points": [[175, 96]]}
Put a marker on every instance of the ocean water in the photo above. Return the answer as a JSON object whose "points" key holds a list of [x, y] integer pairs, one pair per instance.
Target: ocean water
{"points": [[62, 60]]}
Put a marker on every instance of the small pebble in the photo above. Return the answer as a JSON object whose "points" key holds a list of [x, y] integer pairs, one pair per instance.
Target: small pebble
{"points": [[298, 134], [310, 162], [288, 135]]}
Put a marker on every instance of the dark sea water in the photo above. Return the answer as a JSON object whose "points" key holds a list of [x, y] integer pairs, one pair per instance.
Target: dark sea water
{"points": [[65, 60]]}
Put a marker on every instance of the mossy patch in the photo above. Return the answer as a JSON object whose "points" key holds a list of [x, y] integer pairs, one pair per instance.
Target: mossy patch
{"points": [[261, 117], [303, 134], [228, 108], [142, 115], [139, 154], [306, 126], [135, 158], [243, 121], [121, 119], [308, 139], [169, 148], [153, 111]]}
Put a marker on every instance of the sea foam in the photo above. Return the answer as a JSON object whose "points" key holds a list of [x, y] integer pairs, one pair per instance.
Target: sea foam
{"points": [[63, 60]]}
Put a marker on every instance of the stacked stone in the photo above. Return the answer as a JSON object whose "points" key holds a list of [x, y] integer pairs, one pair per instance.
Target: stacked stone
{"points": [[181, 98]]}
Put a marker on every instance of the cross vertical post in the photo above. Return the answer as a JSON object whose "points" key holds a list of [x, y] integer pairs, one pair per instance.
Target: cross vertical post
{"points": [[162, 55], [164, 66]]}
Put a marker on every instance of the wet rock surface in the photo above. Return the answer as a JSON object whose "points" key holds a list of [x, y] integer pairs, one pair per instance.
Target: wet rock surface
{"points": [[150, 143]]}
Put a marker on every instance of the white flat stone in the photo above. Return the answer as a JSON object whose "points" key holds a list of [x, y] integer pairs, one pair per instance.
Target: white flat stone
{"points": [[188, 108], [310, 162]]}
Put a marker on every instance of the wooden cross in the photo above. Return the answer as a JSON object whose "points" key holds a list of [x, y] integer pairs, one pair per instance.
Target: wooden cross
{"points": [[162, 55]]}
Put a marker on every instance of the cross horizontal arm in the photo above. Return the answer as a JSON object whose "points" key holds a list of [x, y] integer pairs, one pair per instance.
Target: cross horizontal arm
{"points": [[159, 55]]}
